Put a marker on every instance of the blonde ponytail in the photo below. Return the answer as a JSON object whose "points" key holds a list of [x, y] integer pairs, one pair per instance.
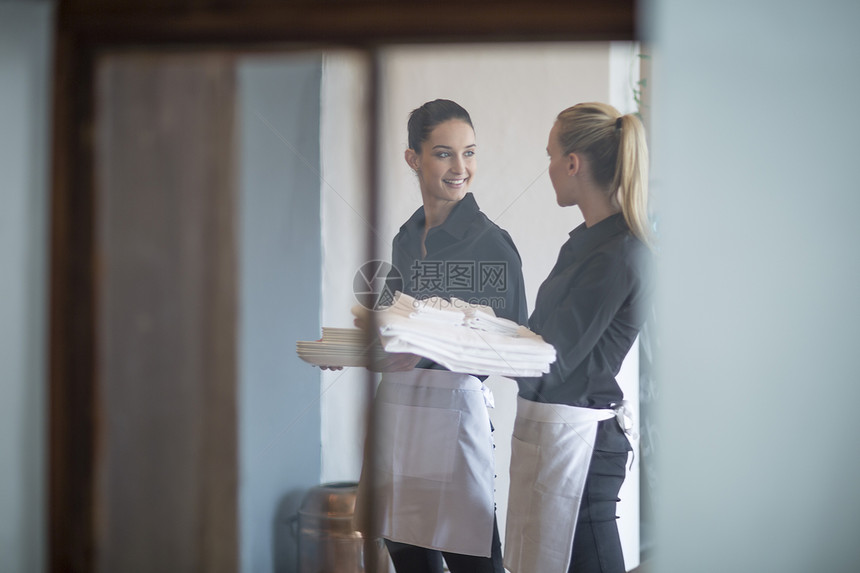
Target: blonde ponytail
{"points": [[631, 177], [618, 153]]}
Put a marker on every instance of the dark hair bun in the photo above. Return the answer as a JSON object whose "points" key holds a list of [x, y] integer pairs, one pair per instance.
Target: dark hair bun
{"points": [[422, 120]]}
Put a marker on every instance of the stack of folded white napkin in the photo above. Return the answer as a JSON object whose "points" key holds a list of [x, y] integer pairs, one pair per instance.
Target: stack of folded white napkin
{"points": [[461, 337]]}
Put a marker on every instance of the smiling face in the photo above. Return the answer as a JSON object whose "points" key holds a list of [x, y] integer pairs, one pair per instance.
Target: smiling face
{"points": [[446, 164]]}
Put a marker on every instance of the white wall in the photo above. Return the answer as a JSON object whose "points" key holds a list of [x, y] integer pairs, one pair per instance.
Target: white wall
{"points": [[344, 227], [755, 149], [25, 58], [513, 93]]}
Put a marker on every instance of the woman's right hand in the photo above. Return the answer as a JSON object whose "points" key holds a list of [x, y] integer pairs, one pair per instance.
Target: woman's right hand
{"points": [[394, 362]]}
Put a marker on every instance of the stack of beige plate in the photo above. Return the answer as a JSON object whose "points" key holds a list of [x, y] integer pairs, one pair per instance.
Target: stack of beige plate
{"points": [[338, 347]]}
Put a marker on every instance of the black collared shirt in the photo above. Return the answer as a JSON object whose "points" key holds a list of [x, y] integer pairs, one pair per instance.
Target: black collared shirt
{"points": [[590, 308], [468, 257]]}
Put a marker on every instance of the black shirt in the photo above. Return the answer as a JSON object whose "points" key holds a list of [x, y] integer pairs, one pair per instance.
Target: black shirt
{"points": [[590, 308], [468, 257]]}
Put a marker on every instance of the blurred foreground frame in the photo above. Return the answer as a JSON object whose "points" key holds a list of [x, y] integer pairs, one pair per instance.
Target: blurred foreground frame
{"points": [[85, 31]]}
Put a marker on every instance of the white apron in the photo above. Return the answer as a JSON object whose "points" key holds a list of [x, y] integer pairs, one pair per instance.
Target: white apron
{"points": [[551, 451], [435, 468]]}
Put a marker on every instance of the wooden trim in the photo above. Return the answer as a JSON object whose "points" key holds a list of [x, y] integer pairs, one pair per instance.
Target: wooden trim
{"points": [[166, 463], [361, 23], [72, 400]]}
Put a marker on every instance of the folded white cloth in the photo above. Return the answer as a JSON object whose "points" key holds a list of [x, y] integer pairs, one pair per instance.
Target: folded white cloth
{"points": [[433, 311], [482, 317], [461, 337], [466, 342], [491, 324]]}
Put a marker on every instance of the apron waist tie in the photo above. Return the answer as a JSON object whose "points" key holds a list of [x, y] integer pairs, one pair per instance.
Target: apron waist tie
{"points": [[489, 400], [624, 415]]}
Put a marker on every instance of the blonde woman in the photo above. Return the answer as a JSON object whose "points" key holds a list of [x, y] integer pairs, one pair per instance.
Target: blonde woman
{"points": [[569, 451]]}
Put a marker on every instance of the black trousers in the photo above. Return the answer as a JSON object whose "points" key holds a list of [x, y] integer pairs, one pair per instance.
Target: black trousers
{"points": [[596, 544], [413, 559]]}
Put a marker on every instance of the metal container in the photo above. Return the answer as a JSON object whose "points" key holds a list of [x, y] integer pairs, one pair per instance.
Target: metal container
{"points": [[328, 541]]}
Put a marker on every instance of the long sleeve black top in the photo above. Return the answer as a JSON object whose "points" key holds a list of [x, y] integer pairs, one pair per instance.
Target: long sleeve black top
{"points": [[590, 308], [468, 257]]}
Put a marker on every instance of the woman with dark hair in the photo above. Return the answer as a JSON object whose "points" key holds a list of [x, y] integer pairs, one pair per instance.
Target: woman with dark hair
{"points": [[435, 473], [569, 450]]}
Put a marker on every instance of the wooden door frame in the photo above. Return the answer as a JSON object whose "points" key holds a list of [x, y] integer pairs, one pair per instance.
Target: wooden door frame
{"points": [[86, 29]]}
